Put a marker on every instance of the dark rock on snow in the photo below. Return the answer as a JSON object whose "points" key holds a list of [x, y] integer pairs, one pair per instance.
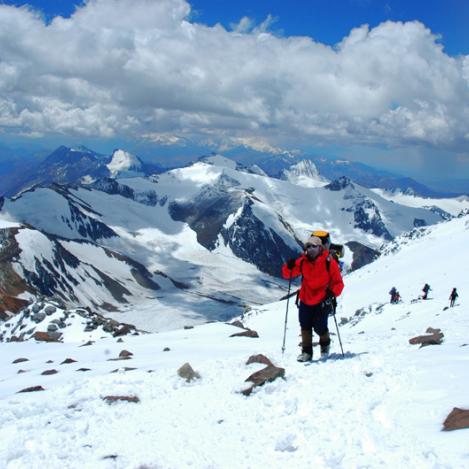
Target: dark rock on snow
{"points": [[259, 359], [187, 372], [457, 419], [20, 360], [111, 399], [267, 374], [434, 338], [32, 389], [247, 333]]}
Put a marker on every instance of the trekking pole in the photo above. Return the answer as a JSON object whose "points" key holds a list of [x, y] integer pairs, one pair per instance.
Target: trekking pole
{"points": [[286, 314], [338, 333]]}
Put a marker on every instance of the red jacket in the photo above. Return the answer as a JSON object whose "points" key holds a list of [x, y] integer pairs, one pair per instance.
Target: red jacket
{"points": [[316, 279]]}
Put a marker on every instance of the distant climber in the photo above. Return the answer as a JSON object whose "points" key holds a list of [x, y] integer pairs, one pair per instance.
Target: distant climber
{"points": [[426, 288], [395, 296], [321, 284], [452, 297]]}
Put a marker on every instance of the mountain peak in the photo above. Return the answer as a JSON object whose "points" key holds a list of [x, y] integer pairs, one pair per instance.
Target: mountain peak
{"points": [[219, 160], [340, 184], [304, 173], [124, 164]]}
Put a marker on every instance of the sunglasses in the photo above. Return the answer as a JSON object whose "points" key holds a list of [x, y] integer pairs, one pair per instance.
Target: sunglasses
{"points": [[311, 246]]}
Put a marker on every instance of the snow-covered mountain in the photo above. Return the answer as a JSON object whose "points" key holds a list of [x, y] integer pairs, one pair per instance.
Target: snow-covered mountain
{"points": [[304, 173], [448, 207], [74, 165], [208, 233], [383, 404], [275, 164], [124, 164]]}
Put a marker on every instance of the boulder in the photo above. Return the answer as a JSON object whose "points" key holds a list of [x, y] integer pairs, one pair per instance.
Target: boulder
{"points": [[124, 329], [20, 360], [46, 337], [187, 372], [110, 325], [33, 389], [49, 372], [111, 399], [52, 328], [38, 317], [86, 344], [435, 338], [125, 354], [237, 324], [67, 361], [259, 359], [50, 310], [457, 419], [36, 307], [267, 374], [247, 333]]}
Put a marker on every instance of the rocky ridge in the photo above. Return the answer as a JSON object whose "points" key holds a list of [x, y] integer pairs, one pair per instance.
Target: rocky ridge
{"points": [[49, 321]]}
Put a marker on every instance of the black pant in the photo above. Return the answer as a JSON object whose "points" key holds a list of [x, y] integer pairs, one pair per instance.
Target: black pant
{"points": [[314, 317]]}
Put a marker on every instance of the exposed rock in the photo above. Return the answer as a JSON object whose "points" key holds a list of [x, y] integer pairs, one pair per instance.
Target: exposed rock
{"points": [[125, 354], [430, 330], [269, 373], [166, 349], [362, 255], [84, 369], [186, 371], [46, 337], [259, 359], [86, 344], [237, 324], [457, 419], [67, 361], [124, 329], [22, 371], [50, 310], [188, 327], [119, 340], [247, 333], [32, 389], [50, 361], [125, 368], [435, 338], [20, 360], [111, 399], [49, 372], [38, 317]]}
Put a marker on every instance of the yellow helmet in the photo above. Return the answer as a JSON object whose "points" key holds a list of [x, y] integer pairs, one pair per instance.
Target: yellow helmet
{"points": [[323, 236]]}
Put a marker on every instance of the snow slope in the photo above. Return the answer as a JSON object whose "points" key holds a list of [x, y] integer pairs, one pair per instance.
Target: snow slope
{"points": [[453, 205], [381, 406]]}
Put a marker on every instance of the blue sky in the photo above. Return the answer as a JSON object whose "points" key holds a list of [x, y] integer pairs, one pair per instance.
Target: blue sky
{"points": [[326, 21], [162, 77]]}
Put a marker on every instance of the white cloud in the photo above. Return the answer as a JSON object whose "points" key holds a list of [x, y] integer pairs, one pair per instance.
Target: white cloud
{"points": [[141, 68]]}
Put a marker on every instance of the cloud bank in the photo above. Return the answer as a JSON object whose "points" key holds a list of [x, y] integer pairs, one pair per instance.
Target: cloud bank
{"points": [[143, 69]]}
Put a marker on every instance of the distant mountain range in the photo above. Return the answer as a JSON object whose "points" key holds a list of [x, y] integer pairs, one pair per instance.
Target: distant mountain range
{"points": [[275, 165], [107, 232], [68, 165]]}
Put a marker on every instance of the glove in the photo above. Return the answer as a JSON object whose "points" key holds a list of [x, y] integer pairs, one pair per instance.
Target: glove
{"points": [[291, 263]]}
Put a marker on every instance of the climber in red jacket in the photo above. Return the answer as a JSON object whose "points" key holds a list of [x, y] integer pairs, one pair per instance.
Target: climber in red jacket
{"points": [[321, 284]]}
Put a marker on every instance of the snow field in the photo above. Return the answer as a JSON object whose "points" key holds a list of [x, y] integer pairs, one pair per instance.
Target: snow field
{"points": [[381, 406]]}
